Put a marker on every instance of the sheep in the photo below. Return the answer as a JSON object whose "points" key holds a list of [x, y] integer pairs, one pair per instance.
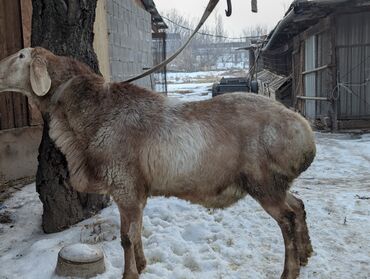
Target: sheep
{"points": [[131, 143]]}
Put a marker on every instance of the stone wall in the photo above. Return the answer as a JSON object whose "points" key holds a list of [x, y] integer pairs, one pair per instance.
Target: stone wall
{"points": [[130, 40]]}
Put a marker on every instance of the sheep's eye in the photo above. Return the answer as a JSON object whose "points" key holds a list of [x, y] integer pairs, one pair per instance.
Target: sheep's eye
{"points": [[21, 55]]}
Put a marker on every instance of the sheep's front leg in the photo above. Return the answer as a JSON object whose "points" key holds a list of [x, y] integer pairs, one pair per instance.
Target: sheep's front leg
{"points": [[139, 252], [130, 237]]}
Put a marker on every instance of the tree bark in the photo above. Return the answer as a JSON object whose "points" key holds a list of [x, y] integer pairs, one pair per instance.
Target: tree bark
{"points": [[66, 28]]}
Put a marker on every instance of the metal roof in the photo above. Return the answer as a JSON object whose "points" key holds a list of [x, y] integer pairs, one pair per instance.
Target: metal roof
{"points": [[157, 20], [301, 15]]}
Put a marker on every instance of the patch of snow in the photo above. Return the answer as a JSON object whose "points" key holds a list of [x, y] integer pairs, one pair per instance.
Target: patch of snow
{"points": [[80, 252], [183, 77], [193, 92]]}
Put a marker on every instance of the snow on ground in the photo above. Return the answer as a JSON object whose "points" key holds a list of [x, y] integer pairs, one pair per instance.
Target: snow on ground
{"points": [[185, 241], [180, 77], [190, 92]]}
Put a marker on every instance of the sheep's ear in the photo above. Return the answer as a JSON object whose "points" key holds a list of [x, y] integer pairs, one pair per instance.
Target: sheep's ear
{"points": [[39, 76]]}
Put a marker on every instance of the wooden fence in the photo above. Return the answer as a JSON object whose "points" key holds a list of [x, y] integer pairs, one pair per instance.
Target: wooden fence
{"points": [[14, 35]]}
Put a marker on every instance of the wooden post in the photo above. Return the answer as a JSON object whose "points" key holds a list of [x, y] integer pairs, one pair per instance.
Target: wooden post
{"points": [[252, 63], [334, 74]]}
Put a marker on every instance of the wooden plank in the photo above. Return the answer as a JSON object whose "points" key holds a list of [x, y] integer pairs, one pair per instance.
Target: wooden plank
{"points": [[316, 69], [20, 110], [3, 52], [13, 33], [353, 124], [301, 83], [6, 101], [17, 110], [6, 114], [26, 13], [28, 115], [13, 106], [321, 26], [3, 97], [14, 43], [313, 98]]}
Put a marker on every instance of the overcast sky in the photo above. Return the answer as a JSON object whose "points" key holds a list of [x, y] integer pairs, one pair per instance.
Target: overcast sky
{"points": [[269, 12]]}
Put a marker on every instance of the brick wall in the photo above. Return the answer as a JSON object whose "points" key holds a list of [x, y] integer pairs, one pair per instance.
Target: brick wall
{"points": [[130, 41]]}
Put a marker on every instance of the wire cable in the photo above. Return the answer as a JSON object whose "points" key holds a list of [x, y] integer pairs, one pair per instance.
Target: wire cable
{"points": [[212, 35]]}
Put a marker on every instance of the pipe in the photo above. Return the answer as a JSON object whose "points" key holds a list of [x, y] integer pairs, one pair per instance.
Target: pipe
{"points": [[281, 25]]}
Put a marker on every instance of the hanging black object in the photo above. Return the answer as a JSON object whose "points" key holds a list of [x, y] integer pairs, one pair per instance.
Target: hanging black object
{"points": [[254, 6], [229, 8]]}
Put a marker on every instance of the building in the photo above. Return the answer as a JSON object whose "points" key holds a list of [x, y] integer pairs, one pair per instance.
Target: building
{"points": [[221, 55], [124, 30], [323, 48], [123, 43]]}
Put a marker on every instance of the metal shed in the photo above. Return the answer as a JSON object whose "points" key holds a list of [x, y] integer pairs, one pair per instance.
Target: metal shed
{"points": [[326, 44]]}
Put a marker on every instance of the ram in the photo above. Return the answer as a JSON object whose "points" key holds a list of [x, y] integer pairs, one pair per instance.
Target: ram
{"points": [[132, 143]]}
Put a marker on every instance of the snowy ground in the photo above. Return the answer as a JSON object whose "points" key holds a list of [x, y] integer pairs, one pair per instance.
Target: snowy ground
{"points": [[179, 77], [184, 241]]}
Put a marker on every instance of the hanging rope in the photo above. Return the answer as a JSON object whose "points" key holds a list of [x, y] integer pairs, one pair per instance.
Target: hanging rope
{"points": [[211, 6]]}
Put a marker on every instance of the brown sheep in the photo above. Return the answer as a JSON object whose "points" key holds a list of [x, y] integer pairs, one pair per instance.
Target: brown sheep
{"points": [[132, 143]]}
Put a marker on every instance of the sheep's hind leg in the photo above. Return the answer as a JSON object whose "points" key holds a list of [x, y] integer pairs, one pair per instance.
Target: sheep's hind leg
{"points": [[130, 236], [304, 246], [285, 216]]}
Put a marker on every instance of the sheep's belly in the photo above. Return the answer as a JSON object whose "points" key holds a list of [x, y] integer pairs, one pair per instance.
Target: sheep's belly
{"points": [[211, 193]]}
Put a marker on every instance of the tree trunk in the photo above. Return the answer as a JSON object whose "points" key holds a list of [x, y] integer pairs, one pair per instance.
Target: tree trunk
{"points": [[66, 28]]}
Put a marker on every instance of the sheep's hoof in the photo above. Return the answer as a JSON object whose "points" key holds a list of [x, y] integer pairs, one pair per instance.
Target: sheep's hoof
{"points": [[303, 261], [130, 276], [140, 265], [306, 255], [290, 274], [309, 250]]}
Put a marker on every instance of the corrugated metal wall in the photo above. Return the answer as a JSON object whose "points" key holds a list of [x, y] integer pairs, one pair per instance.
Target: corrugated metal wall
{"points": [[353, 56]]}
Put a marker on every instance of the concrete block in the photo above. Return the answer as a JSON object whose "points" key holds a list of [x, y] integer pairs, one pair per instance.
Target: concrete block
{"points": [[110, 46], [109, 6], [115, 10], [116, 39]]}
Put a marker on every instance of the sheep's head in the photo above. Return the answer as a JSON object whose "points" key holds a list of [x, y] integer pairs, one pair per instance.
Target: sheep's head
{"points": [[25, 72]]}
